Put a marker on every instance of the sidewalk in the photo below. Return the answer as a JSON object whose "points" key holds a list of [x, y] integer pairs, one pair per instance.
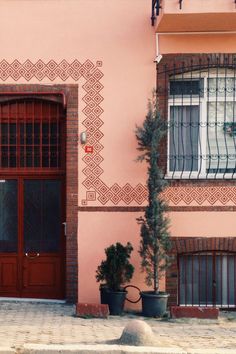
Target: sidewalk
{"points": [[32, 324]]}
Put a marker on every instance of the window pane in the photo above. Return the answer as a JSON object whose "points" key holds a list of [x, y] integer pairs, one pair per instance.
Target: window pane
{"points": [[221, 86], [182, 281], [186, 87], [184, 135], [30, 135], [8, 216], [42, 215], [221, 137]]}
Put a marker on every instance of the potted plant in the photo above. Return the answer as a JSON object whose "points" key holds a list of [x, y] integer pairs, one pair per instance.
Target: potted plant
{"points": [[115, 271], [155, 238]]}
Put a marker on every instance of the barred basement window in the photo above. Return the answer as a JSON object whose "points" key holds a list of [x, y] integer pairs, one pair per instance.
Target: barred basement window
{"points": [[202, 124], [207, 279], [30, 134]]}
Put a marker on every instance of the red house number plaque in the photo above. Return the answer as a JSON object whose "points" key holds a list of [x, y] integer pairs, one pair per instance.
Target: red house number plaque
{"points": [[89, 149]]}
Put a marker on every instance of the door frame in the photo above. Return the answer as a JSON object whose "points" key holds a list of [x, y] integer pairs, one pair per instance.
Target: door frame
{"points": [[20, 227], [69, 94]]}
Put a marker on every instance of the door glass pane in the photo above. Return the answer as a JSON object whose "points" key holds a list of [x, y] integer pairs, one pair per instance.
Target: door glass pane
{"points": [[8, 216], [42, 215]]}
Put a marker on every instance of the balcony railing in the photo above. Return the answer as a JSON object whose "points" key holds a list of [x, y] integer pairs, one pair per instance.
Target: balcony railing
{"points": [[155, 10]]}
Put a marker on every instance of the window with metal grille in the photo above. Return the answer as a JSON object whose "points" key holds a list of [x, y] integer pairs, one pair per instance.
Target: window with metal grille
{"points": [[202, 124], [207, 279], [31, 134]]}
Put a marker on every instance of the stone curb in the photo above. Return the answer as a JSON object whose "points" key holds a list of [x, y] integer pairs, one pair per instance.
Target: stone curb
{"points": [[211, 351], [7, 350], [105, 349], [98, 348]]}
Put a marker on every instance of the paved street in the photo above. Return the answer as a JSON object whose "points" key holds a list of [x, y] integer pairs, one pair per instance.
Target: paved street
{"points": [[43, 323]]}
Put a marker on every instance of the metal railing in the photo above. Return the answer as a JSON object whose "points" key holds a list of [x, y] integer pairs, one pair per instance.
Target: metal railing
{"points": [[207, 279], [198, 101], [155, 10]]}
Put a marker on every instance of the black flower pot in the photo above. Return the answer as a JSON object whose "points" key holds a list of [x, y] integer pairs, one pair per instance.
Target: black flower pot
{"points": [[114, 299], [103, 294], [154, 305]]}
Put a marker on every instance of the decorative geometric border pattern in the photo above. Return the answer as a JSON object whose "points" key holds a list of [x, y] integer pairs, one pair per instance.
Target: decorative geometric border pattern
{"points": [[50, 70], [199, 195], [96, 188]]}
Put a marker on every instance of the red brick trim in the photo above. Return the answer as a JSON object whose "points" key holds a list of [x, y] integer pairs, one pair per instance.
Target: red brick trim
{"points": [[112, 209], [71, 93], [142, 209], [202, 208], [196, 244]]}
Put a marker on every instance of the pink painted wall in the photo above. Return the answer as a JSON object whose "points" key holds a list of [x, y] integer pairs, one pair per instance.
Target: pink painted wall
{"points": [[203, 224], [203, 43], [97, 231], [119, 34]]}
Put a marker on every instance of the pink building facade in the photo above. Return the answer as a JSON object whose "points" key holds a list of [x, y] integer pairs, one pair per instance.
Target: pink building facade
{"points": [[89, 66]]}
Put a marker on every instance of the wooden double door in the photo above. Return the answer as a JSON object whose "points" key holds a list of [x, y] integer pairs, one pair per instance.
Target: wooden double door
{"points": [[32, 237]]}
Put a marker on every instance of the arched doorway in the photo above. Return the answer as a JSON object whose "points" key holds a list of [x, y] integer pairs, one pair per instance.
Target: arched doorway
{"points": [[32, 197]]}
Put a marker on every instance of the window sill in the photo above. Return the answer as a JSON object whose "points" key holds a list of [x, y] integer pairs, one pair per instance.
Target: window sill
{"points": [[194, 176]]}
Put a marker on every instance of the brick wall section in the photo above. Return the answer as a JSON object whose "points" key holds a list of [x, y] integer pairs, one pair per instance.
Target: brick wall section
{"points": [[72, 193], [190, 245], [71, 172]]}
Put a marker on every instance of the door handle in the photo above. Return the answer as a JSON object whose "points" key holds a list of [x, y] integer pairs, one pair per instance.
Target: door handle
{"points": [[65, 227], [32, 257]]}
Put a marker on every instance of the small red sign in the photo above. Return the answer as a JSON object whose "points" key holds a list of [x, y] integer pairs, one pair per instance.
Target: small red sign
{"points": [[89, 149]]}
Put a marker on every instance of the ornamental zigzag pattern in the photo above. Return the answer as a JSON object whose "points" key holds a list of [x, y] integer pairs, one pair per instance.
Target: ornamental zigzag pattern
{"points": [[92, 74], [97, 190]]}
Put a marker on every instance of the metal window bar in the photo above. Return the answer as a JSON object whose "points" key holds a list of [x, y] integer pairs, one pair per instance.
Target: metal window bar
{"points": [[201, 100], [23, 143], [207, 279]]}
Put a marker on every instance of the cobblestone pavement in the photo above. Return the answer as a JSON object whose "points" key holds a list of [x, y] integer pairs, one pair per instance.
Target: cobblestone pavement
{"points": [[44, 323]]}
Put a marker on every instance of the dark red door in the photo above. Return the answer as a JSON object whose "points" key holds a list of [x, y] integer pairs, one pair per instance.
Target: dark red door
{"points": [[31, 238], [32, 211]]}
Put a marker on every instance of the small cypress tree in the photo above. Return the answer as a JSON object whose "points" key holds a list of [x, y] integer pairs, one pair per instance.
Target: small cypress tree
{"points": [[155, 238], [116, 269]]}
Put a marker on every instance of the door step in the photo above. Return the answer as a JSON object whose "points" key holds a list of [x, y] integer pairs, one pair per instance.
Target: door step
{"points": [[23, 299]]}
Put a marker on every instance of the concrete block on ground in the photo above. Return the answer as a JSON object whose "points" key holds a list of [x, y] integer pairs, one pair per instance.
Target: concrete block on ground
{"points": [[139, 333], [194, 312], [92, 310]]}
